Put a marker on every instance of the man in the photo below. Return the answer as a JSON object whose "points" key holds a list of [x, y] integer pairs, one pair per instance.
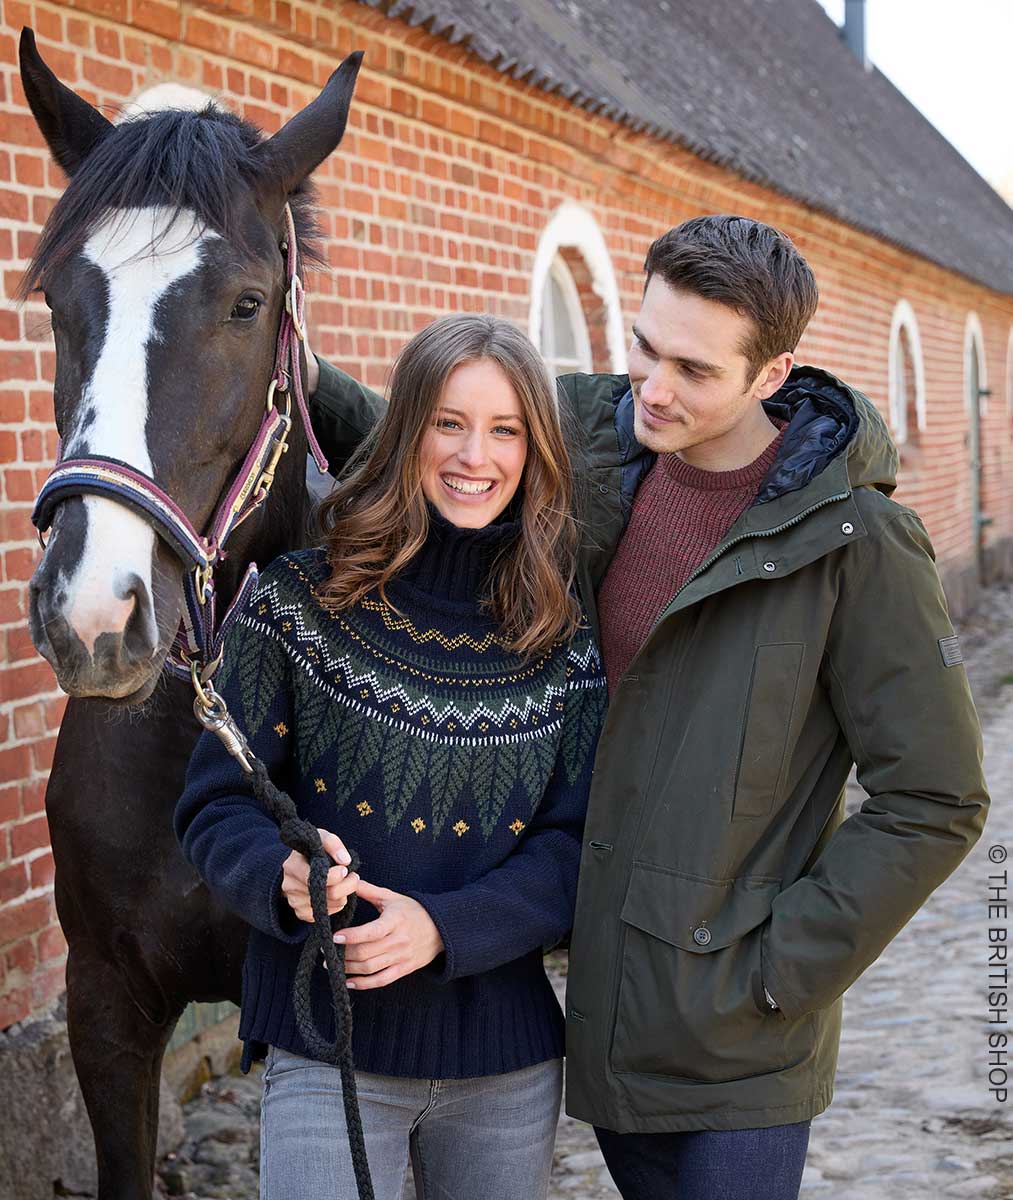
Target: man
{"points": [[767, 617]]}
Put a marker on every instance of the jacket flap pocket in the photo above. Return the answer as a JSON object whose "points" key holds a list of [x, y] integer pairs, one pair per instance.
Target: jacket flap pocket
{"points": [[694, 913]]}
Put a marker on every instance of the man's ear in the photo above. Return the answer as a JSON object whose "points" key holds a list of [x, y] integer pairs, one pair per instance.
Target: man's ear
{"points": [[301, 145], [773, 375], [71, 127]]}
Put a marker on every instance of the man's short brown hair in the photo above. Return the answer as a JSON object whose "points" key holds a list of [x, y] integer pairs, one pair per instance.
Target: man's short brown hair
{"points": [[747, 265]]}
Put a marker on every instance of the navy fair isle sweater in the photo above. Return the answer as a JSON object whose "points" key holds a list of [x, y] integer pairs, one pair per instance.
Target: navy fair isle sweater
{"points": [[457, 771]]}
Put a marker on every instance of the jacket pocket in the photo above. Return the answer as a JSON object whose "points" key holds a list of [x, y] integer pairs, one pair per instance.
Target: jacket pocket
{"points": [[690, 1002], [769, 707]]}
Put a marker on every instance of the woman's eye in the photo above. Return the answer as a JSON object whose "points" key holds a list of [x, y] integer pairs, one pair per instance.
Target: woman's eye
{"points": [[506, 429], [245, 309], [446, 423]]}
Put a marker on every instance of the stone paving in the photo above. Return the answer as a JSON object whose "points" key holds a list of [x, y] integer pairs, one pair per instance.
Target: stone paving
{"points": [[911, 1115]]}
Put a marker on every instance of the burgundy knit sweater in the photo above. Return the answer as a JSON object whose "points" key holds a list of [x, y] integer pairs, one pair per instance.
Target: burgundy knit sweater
{"points": [[680, 513]]}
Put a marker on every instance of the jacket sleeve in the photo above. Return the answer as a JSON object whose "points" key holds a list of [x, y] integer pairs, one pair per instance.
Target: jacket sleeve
{"points": [[527, 902], [223, 829], [913, 731], [342, 412]]}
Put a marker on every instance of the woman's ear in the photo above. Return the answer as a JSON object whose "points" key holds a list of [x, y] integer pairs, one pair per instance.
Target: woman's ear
{"points": [[71, 127], [302, 144]]}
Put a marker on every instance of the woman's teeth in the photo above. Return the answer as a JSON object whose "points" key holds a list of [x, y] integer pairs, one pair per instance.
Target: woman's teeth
{"points": [[470, 489]]}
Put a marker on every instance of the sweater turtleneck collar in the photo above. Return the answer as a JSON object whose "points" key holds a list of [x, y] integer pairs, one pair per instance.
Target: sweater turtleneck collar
{"points": [[453, 562]]}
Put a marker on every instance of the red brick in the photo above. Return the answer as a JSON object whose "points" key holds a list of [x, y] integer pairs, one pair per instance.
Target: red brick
{"points": [[42, 753], [21, 957], [109, 77], [13, 882], [42, 870], [30, 169], [29, 835], [12, 604], [18, 484], [207, 33], [15, 762], [18, 683], [163, 19], [51, 943], [12, 407], [33, 796], [19, 564], [10, 802], [13, 205], [17, 920], [29, 719], [107, 41]]}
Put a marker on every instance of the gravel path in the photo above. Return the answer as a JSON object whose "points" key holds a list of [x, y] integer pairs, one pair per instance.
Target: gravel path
{"points": [[911, 1115]]}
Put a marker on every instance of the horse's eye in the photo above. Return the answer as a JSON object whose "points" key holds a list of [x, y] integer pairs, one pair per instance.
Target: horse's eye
{"points": [[246, 309]]}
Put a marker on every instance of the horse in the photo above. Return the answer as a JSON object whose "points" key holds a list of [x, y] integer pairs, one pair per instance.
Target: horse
{"points": [[166, 264]]}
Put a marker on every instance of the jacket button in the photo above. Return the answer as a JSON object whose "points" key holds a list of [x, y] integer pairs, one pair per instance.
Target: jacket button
{"points": [[847, 527], [769, 566], [701, 935], [602, 488]]}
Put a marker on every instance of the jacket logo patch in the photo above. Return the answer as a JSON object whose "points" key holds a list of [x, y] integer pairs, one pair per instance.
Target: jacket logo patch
{"points": [[949, 648]]}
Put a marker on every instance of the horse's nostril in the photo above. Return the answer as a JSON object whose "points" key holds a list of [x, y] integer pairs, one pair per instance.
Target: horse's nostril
{"points": [[140, 634]]}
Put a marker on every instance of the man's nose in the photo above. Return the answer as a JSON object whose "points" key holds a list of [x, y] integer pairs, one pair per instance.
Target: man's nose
{"points": [[656, 390]]}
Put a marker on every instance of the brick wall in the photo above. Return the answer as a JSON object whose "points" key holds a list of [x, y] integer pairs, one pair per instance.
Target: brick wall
{"points": [[435, 202]]}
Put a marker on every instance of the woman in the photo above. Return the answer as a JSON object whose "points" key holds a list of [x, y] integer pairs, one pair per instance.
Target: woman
{"points": [[423, 686]]}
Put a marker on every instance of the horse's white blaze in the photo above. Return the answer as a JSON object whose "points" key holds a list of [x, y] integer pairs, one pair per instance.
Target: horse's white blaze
{"points": [[142, 253]]}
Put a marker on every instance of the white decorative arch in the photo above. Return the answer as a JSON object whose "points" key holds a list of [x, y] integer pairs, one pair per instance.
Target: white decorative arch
{"points": [[572, 225], [904, 320], [974, 339]]}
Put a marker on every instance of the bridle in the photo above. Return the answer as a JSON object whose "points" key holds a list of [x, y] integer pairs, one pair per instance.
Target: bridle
{"points": [[197, 649]]}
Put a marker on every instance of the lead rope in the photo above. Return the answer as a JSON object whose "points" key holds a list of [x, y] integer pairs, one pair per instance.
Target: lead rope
{"points": [[301, 836]]}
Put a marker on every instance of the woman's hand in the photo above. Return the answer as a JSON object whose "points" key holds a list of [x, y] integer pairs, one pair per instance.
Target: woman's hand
{"points": [[402, 939], [296, 873]]}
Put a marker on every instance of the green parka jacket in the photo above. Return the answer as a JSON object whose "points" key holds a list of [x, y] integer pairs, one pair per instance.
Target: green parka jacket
{"points": [[717, 858]]}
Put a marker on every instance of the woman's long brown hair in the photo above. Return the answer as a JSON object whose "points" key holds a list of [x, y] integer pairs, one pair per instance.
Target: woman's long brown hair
{"points": [[375, 520]]}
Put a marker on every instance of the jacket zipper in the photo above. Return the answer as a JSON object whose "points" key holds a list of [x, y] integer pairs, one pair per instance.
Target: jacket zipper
{"points": [[743, 537]]}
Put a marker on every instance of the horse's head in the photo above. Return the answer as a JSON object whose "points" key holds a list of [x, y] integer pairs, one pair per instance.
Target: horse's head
{"points": [[162, 267]]}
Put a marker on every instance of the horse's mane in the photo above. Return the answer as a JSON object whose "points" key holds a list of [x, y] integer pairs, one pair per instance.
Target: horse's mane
{"points": [[175, 158]]}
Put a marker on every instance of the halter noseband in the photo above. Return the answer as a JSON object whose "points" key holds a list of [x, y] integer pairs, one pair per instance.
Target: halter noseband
{"points": [[196, 651]]}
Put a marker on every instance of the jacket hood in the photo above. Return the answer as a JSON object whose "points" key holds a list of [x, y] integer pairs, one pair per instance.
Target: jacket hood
{"points": [[826, 418]]}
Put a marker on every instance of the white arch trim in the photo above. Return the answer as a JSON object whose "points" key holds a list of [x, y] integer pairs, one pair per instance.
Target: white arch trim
{"points": [[904, 320], [572, 225], [974, 338]]}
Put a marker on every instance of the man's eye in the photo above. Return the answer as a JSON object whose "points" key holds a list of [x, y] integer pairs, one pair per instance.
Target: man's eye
{"points": [[246, 309]]}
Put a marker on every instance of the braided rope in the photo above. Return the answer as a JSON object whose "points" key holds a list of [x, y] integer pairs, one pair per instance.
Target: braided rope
{"points": [[301, 836]]}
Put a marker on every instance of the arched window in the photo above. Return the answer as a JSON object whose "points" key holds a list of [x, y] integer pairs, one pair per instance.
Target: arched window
{"points": [[563, 340], [906, 376], [975, 373], [575, 317]]}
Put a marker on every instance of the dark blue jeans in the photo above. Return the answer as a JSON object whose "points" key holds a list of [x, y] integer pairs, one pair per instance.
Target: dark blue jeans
{"points": [[733, 1164]]}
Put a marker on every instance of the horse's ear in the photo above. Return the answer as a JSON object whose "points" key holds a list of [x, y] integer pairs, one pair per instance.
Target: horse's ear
{"points": [[301, 145], [70, 125]]}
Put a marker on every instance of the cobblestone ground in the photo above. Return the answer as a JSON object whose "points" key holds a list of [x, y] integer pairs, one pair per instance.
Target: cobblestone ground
{"points": [[911, 1115]]}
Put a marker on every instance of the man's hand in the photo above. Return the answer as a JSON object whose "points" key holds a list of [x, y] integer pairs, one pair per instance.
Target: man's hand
{"points": [[296, 873], [401, 940]]}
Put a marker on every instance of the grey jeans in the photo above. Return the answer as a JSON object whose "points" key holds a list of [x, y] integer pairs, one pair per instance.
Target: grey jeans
{"points": [[489, 1138]]}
